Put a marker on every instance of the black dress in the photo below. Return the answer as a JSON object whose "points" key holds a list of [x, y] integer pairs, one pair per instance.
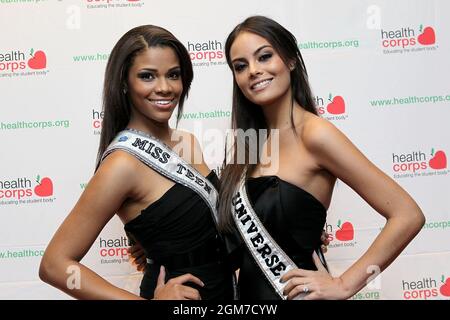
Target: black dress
{"points": [[294, 219], [178, 231]]}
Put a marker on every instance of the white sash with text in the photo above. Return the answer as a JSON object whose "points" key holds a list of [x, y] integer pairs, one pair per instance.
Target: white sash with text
{"points": [[165, 161], [270, 258]]}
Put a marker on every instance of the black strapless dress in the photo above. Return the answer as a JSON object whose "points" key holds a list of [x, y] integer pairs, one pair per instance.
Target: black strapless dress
{"points": [[178, 231], [294, 219]]}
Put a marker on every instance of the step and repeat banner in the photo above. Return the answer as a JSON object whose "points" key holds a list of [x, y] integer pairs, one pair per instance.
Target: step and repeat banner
{"points": [[379, 71]]}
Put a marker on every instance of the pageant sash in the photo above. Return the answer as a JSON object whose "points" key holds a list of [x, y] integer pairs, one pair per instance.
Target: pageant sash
{"points": [[161, 158], [269, 257], [158, 156]]}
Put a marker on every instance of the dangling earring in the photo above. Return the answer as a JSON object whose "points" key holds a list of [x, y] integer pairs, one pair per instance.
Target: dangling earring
{"points": [[124, 90]]}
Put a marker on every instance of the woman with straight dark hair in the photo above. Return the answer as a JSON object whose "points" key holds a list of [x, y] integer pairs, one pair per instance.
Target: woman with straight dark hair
{"points": [[166, 200], [277, 209]]}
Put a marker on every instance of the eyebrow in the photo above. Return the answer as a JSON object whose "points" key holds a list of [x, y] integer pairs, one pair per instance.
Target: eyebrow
{"points": [[254, 53], [155, 70]]}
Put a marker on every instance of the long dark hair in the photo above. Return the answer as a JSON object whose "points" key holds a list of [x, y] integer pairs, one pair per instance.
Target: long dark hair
{"points": [[116, 105], [247, 115]]}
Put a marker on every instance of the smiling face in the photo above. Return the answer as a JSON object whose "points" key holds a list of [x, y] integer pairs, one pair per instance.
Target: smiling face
{"points": [[259, 71], [154, 84]]}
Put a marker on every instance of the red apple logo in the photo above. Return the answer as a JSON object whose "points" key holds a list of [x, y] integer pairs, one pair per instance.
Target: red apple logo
{"points": [[427, 37], [44, 188], [337, 106], [38, 60], [445, 288], [346, 232], [439, 160]]}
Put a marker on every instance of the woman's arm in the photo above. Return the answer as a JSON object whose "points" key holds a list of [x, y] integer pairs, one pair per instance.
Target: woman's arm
{"points": [[114, 183], [108, 189], [335, 153]]}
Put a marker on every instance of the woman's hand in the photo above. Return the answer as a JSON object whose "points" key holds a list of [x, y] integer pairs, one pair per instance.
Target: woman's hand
{"points": [[175, 289], [315, 284], [137, 256]]}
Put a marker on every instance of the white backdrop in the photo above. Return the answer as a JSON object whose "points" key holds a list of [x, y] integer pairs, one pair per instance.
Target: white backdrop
{"points": [[378, 69]]}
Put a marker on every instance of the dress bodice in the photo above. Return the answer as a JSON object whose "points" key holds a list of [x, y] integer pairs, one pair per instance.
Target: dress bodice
{"points": [[178, 231], [295, 220]]}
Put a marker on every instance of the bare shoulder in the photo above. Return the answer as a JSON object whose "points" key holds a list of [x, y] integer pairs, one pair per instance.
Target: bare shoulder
{"points": [[191, 150], [317, 132], [118, 177], [119, 165]]}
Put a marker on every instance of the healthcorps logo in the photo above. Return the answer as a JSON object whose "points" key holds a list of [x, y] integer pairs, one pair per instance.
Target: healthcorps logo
{"points": [[444, 289], [97, 120], [113, 250], [16, 63], [331, 108], [206, 54], [408, 39], [342, 236], [426, 288], [25, 191], [108, 4], [419, 164]]}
